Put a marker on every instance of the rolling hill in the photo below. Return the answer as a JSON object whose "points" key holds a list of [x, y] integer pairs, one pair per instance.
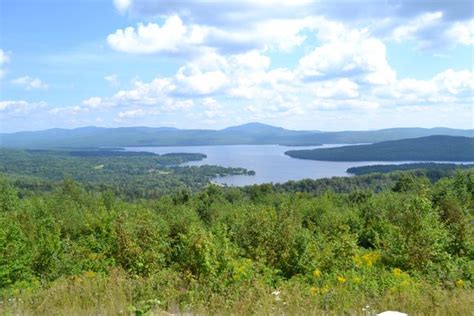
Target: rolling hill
{"points": [[430, 148], [251, 133]]}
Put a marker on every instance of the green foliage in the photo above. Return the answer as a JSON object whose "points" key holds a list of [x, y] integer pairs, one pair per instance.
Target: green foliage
{"points": [[433, 171], [226, 250], [430, 148], [133, 175]]}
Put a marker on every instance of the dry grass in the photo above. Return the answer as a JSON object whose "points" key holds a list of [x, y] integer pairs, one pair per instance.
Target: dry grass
{"points": [[116, 294]]}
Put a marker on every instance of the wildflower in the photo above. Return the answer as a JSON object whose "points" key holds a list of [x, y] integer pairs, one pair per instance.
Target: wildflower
{"points": [[405, 283], [397, 272], [459, 283], [89, 274], [324, 289], [317, 273], [370, 258], [314, 290], [341, 279], [276, 294], [357, 260]]}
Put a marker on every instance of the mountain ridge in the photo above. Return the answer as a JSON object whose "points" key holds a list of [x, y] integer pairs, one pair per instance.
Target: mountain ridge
{"points": [[245, 134]]}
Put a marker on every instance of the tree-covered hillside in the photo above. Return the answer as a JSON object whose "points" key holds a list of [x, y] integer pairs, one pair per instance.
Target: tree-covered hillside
{"points": [[432, 169], [256, 250], [434, 148], [131, 174]]}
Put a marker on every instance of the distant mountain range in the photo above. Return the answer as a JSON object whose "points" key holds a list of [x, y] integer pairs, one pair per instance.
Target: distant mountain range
{"points": [[251, 133], [430, 148]]}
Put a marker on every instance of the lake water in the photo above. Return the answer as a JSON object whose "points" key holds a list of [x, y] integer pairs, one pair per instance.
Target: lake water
{"points": [[268, 161]]}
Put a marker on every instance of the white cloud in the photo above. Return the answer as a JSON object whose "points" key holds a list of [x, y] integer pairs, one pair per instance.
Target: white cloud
{"points": [[131, 113], [177, 37], [152, 38], [335, 89], [122, 5], [252, 60], [455, 82], [350, 54], [462, 32], [29, 83], [20, 106], [192, 80], [4, 57], [432, 30], [112, 79], [415, 27], [232, 27], [444, 89], [93, 102], [69, 110]]}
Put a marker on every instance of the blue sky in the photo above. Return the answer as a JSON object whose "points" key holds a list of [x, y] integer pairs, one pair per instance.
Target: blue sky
{"points": [[326, 65]]}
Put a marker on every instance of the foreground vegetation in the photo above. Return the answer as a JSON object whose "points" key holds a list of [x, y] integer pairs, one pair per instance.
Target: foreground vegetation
{"points": [[405, 245]]}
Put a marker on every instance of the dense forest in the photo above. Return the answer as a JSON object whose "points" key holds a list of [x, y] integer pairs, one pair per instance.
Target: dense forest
{"points": [[433, 170], [385, 241], [130, 174], [430, 148]]}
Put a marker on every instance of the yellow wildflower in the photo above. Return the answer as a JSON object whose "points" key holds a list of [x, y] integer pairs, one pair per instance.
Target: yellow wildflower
{"points": [[317, 273], [314, 290], [370, 258], [397, 272], [89, 274], [405, 283], [324, 289], [357, 260], [341, 279], [459, 283]]}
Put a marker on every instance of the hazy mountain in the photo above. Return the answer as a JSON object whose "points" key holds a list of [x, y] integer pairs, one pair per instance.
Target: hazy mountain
{"points": [[437, 148], [251, 133]]}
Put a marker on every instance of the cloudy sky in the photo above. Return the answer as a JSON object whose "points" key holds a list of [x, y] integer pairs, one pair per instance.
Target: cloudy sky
{"points": [[326, 65]]}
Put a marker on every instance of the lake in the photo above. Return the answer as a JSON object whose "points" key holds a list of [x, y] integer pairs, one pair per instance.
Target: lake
{"points": [[268, 161]]}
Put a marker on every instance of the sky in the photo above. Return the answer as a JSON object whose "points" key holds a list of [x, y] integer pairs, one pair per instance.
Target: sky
{"points": [[299, 64]]}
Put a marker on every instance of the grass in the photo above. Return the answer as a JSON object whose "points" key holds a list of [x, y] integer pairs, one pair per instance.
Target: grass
{"points": [[118, 294]]}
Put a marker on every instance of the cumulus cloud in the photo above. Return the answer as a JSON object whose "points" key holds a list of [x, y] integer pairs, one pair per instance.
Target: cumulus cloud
{"points": [[175, 36], [353, 53], [20, 106], [236, 26], [431, 30], [152, 38], [93, 102], [347, 71], [462, 32], [342, 65], [29, 83], [192, 80]]}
